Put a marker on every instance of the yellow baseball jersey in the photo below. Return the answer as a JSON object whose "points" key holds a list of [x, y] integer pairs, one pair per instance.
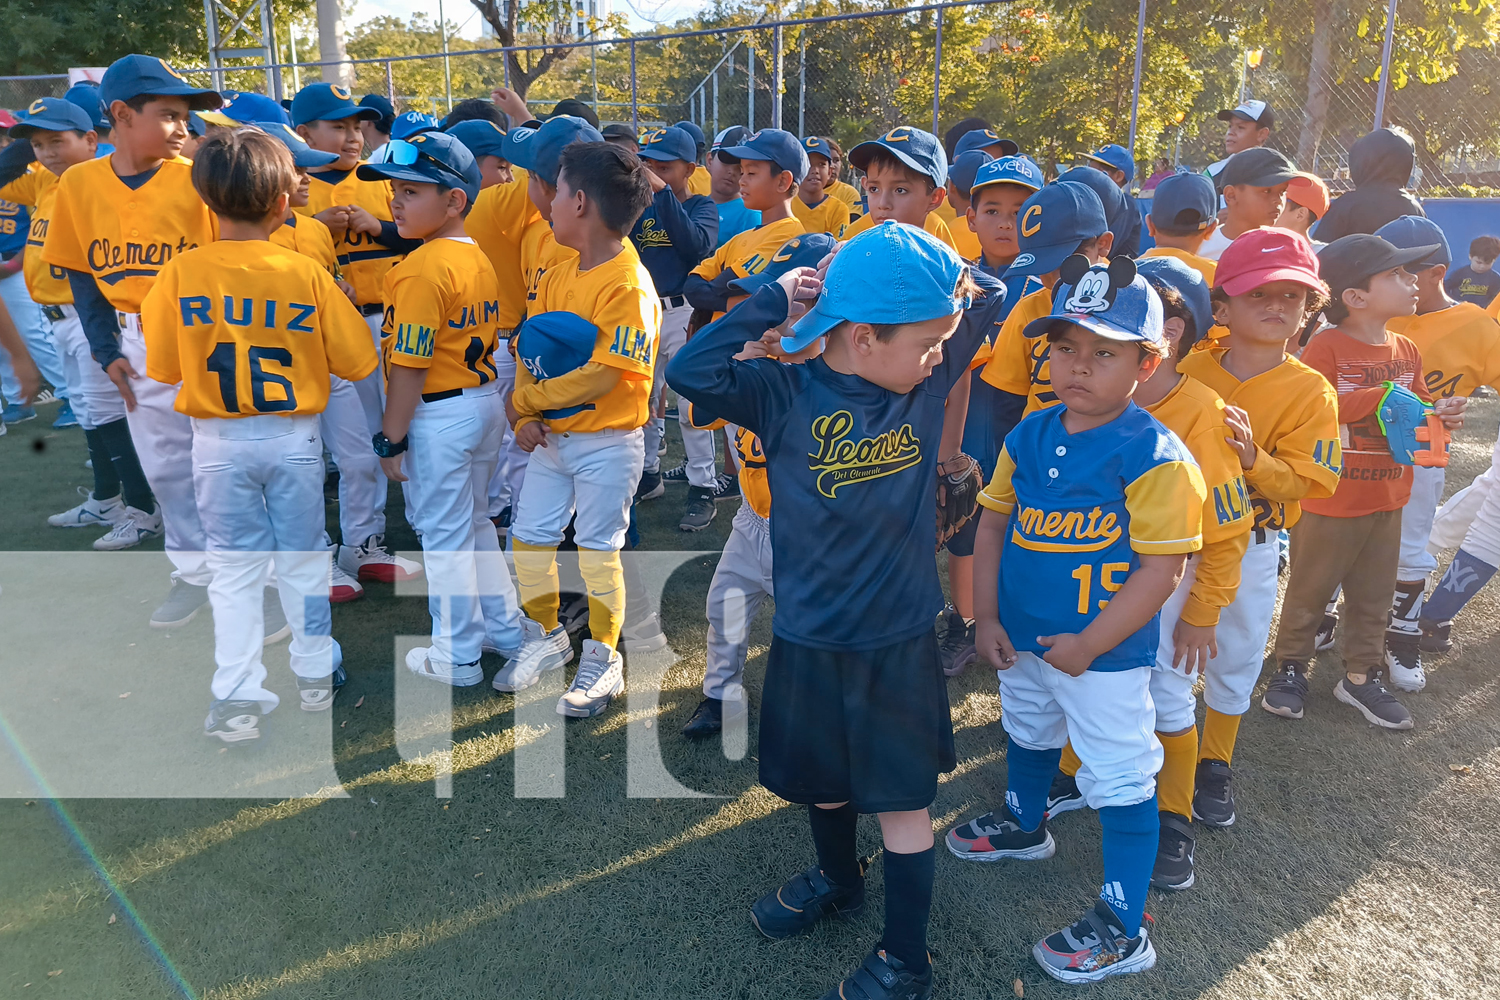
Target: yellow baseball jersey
{"points": [[965, 240], [1019, 364], [828, 216], [749, 252], [497, 223], [849, 195], [1460, 348], [539, 252], [441, 314], [1195, 413], [364, 261], [47, 284], [251, 328], [755, 481], [1294, 417], [310, 238], [124, 236], [619, 298], [699, 182], [932, 224]]}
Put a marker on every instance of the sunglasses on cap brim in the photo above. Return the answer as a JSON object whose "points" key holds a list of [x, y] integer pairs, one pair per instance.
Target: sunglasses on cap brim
{"points": [[406, 154]]}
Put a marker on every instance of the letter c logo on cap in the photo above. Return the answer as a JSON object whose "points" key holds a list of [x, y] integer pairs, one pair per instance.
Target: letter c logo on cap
{"points": [[342, 93], [901, 133], [1031, 222], [37, 106]]}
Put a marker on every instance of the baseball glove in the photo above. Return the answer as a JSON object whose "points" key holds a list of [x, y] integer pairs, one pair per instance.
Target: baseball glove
{"points": [[958, 486]]}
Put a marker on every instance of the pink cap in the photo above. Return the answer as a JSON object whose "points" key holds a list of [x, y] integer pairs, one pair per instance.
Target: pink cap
{"points": [[6, 119], [1268, 254]]}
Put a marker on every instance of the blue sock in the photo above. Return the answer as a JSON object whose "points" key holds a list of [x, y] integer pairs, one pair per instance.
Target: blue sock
{"points": [[1130, 841], [1463, 579], [1027, 782]]}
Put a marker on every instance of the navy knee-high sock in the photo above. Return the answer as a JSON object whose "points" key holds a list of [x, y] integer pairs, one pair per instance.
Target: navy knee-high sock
{"points": [[1130, 840], [116, 437], [833, 833], [1465, 575], [106, 479], [908, 901], [1029, 775]]}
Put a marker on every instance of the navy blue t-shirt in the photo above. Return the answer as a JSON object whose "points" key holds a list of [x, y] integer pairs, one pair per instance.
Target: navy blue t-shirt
{"points": [[672, 237], [1469, 285], [852, 470]]}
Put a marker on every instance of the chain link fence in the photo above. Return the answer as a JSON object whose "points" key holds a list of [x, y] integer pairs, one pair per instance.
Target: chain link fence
{"points": [[17, 92]]}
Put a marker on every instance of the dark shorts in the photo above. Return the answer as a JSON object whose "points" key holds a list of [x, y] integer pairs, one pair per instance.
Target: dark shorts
{"points": [[871, 727], [962, 542]]}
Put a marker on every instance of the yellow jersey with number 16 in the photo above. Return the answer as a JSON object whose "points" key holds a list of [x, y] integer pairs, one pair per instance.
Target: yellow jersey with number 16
{"points": [[441, 313]]}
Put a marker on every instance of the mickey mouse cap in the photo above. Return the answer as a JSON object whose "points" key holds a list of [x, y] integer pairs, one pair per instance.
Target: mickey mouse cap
{"points": [[1111, 300]]}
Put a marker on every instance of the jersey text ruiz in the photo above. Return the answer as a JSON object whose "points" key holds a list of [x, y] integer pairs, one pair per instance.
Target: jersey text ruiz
{"points": [[266, 313]]}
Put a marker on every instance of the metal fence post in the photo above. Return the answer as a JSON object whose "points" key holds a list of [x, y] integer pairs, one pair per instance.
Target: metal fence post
{"points": [[802, 89], [390, 84], [1135, 87], [777, 79], [635, 109], [1385, 64], [937, 73], [750, 83], [716, 102]]}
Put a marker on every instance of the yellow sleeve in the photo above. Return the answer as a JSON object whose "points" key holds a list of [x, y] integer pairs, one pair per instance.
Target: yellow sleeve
{"points": [[62, 246], [1000, 496], [1166, 510], [1216, 580], [1306, 463], [22, 190], [1009, 367], [581, 385], [418, 312], [712, 267], [346, 337], [629, 319], [159, 328]]}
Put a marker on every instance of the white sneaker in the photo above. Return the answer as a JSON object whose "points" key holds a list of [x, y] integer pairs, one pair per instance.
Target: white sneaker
{"points": [[91, 513], [133, 528], [601, 676], [540, 651], [371, 561], [342, 588], [421, 662]]}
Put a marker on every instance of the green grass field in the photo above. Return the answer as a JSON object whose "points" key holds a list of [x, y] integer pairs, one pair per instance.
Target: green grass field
{"points": [[1364, 863]]}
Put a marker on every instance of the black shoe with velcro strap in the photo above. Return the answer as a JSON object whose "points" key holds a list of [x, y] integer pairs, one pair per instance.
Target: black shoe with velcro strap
{"points": [[806, 898], [882, 976]]}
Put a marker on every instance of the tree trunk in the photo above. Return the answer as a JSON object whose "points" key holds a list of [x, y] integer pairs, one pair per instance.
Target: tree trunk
{"points": [[331, 52], [1319, 84]]}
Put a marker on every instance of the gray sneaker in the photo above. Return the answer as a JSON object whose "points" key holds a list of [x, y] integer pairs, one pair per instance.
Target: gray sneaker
{"points": [[277, 627], [183, 601], [1287, 693], [1373, 701], [601, 676]]}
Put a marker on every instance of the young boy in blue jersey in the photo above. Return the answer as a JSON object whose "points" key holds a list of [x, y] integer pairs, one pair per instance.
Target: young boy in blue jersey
{"points": [[854, 714], [1088, 523]]}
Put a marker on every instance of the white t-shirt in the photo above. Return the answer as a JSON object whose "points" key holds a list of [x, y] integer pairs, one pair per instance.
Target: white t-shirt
{"points": [[1214, 245]]}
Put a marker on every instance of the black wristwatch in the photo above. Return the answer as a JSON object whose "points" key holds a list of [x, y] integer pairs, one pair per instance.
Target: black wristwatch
{"points": [[386, 448]]}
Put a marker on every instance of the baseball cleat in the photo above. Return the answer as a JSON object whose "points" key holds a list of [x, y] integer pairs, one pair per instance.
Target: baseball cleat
{"points": [[956, 649], [421, 662], [650, 487], [1374, 702], [1094, 948], [91, 513], [1213, 794], [540, 652], [318, 693], [600, 676], [1064, 795], [233, 721], [996, 836], [1286, 694], [1327, 632], [133, 528], [726, 487], [1437, 637], [183, 602], [342, 588], [708, 719], [802, 901], [1173, 870], [1403, 661], [676, 475], [15, 413], [370, 561], [882, 976], [699, 513], [644, 636]]}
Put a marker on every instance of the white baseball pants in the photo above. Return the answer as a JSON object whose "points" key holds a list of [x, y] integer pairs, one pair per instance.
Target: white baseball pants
{"points": [[94, 398], [742, 581], [591, 472], [698, 444], [1244, 627], [1416, 523], [362, 486], [371, 388], [1171, 688]]}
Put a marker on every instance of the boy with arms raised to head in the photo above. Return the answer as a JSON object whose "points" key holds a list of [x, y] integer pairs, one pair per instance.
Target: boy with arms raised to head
{"points": [[854, 716], [1353, 538], [444, 416], [582, 425], [819, 211], [906, 178], [253, 385], [1253, 184], [1090, 518], [139, 200]]}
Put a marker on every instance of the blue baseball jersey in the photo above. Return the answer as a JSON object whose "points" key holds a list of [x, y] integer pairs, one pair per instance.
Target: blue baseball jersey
{"points": [[852, 466], [15, 223], [1083, 509]]}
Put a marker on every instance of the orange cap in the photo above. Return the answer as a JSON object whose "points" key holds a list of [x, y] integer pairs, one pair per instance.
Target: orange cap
{"points": [[1309, 191]]}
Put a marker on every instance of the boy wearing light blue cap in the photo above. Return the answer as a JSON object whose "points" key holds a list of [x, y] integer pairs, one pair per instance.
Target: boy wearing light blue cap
{"points": [[854, 716], [1090, 517]]}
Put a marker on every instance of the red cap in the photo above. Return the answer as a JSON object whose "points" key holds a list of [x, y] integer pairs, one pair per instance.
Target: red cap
{"points": [[1268, 254], [6, 119]]}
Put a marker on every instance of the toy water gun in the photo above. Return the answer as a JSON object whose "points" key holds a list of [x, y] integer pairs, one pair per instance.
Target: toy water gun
{"points": [[1412, 428]]}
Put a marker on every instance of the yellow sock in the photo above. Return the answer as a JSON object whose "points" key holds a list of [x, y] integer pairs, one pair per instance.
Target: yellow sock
{"points": [[1070, 762], [1219, 732], [1174, 785], [536, 575], [604, 576]]}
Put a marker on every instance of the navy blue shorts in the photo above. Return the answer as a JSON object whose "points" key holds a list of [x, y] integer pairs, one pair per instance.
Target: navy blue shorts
{"points": [[871, 727]]}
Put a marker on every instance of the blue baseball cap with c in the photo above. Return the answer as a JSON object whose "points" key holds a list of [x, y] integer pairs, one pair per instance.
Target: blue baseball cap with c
{"points": [[891, 273], [670, 143], [966, 167], [241, 108], [1184, 204], [51, 114], [303, 155], [1405, 233], [806, 250], [137, 75], [1116, 209], [772, 145], [1115, 157], [817, 144], [86, 96], [984, 138], [539, 150], [482, 136], [1050, 226], [1016, 170], [1169, 272], [1111, 300], [412, 123], [427, 158], [917, 149], [328, 102]]}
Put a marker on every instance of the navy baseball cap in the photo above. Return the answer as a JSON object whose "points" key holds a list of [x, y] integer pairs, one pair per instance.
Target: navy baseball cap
{"points": [[806, 250], [1051, 224], [427, 158], [51, 114], [984, 138], [700, 141], [889, 274], [1261, 166], [240, 108], [1405, 233], [817, 144], [135, 75], [1115, 157], [413, 123], [380, 103], [772, 145], [482, 136], [86, 96], [730, 136], [966, 166], [303, 155], [1169, 272], [1351, 259], [671, 143], [539, 150], [917, 149], [328, 102], [1111, 300], [197, 124], [1184, 203], [1116, 209], [1009, 170]]}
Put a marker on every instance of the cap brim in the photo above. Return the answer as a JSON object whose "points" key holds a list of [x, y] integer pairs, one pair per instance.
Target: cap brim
{"points": [[659, 155], [860, 160], [1043, 261], [816, 323], [1230, 114], [1242, 283], [392, 172], [21, 130], [736, 153], [363, 114], [1270, 179], [1103, 161], [1042, 325], [216, 117], [312, 159]]}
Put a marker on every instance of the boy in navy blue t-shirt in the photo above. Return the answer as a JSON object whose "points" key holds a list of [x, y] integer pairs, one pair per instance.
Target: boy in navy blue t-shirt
{"points": [[854, 714]]}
